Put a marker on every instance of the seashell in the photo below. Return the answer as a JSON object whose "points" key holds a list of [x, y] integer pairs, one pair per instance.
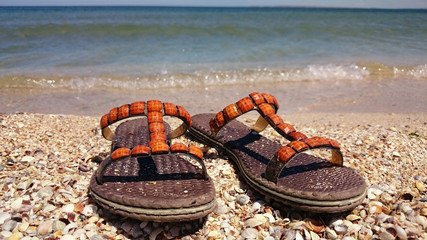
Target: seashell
{"points": [[45, 193], [15, 236], [67, 237], [89, 210], [347, 238], [22, 227], [45, 227], [49, 208], [353, 217], [228, 197], [92, 227], [242, 199], [316, 226], [269, 217], [68, 208], [220, 208], [422, 221], [4, 216], [336, 222], [78, 207], [423, 211], [341, 229], [314, 236], [400, 232], [257, 220], [58, 225], [250, 233], [16, 204], [67, 229], [420, 186], [298, 236], [80, 233], [27, 159], [331, 233], [385, 235], [24, 185], [365, 233], [9, 225], [256, 207], [375, 209]]}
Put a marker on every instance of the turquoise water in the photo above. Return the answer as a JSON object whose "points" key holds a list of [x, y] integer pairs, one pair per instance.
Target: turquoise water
{"points": [[77, 49]]}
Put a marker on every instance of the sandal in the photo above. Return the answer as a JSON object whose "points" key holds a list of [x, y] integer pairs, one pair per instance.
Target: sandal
{"points": [[146, 177], [283, 173]]}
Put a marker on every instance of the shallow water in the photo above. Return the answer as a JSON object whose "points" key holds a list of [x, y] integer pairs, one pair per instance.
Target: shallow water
{"points": [[84, 60]]}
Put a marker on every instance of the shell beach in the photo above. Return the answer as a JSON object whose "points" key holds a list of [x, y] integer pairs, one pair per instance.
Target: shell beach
{"points": [[46, 162]]}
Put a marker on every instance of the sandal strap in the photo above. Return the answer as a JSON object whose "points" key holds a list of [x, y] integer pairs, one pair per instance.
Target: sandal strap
{"points": [[286, 153], [264, 103], [154, 110], [155, 148]]}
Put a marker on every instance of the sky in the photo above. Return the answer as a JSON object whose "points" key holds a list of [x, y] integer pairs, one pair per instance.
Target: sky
{"points": [[228, 3]]}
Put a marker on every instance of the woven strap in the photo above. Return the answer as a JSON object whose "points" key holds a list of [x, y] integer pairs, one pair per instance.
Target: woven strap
{"points": [[155, 148], [154, 110], [264, 103], [285, 154]]}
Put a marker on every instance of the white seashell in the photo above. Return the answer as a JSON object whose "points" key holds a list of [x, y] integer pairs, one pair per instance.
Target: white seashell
{"points": [[256, 207], [314, 236], [298, 236], [4, 216], [421, 220], [250, 233], [69, 227], [386, 236], [16, 204], [348, 238], [336, 222], [220, 208], [400, 232], [67, 237], [90, 227], [341, 229], [257, 220], [89, 210], [45, 227], [68, 208], [331, 233], [269, 217], [242, 199], [228, 197]]}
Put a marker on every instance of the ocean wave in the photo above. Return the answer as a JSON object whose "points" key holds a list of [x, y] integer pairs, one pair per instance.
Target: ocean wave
{"points": [[313, 72]]}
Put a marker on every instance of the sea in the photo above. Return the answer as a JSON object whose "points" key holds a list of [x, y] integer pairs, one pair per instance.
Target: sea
{"points": [[86, 60]]}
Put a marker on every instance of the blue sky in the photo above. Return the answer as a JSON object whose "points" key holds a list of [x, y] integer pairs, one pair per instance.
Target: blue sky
{"points": [[228, 3]]}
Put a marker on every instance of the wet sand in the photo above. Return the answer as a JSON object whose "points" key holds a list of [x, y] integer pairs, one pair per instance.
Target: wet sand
{"points": [[380, 96]]}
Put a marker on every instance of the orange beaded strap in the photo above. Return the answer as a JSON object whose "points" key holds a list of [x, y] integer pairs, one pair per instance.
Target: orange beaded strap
{"points": [[264, 103], [155, 147], [285, 154], [154, 110]]}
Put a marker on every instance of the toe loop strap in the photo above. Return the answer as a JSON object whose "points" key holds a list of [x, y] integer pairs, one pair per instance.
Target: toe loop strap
{"points": [[157, 148], [285, 154], [264, 103], [153, 110]]}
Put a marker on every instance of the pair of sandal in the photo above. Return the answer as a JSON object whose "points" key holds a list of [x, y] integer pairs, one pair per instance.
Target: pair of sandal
{"points": [[147, 177]]}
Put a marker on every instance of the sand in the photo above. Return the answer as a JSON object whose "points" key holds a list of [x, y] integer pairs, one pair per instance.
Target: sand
{"points": [[46, 162]]}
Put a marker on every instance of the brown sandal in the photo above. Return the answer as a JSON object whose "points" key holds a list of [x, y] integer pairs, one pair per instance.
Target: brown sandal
{"points": [[146, 177], [283, 173]]}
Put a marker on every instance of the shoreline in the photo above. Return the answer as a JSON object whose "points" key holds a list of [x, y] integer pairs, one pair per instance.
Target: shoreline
{"points": [[53, 157], [384, 96]]}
